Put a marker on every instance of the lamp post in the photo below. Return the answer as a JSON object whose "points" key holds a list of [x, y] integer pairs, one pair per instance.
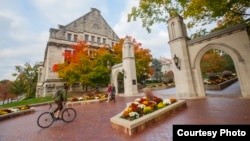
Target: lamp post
{"points": [[176, 61]]}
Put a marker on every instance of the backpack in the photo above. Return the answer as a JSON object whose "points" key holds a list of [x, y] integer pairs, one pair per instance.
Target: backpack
{"points": [[58, 95]]}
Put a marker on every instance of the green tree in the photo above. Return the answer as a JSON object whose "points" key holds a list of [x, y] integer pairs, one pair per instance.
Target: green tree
{"points": [[17, 87], [225, 12], [156, 65], [26, 76], [229, 65], [197, 13], [103, 61]]}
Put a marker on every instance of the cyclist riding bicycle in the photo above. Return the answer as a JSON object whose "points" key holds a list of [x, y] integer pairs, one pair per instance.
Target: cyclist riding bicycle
{"points": [[60, 98]]}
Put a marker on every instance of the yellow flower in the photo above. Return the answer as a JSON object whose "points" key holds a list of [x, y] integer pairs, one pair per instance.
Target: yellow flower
{"points": [[145, 103], [129, 109], [147, 110], [160, 105]]}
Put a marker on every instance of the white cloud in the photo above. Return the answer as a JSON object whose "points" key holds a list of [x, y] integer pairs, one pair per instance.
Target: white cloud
{"points": [[19, 43], [62, 12], [156, 41], [25, 28]]}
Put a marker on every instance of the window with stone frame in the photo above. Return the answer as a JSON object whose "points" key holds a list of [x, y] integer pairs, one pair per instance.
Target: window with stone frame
{"points": [[67, 56], [69, 35], [86, 37], [98, 39], [92, 38], [104, 40], [75, 38]]}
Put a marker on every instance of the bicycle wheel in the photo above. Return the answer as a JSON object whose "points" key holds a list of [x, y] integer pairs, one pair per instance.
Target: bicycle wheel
{"points": [[68, 114], [45, 120]]}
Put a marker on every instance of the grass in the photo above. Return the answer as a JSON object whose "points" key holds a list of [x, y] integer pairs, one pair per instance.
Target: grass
{"points": [[30, 101], [27, 101]]}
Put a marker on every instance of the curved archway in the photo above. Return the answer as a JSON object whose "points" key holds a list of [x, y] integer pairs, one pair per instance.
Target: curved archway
{"points": [[116, 69], [234, 54], [233, 40]]}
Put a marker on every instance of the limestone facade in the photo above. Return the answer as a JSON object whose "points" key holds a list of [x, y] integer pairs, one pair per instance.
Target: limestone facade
{"points": [[233, 40], [91, 27]]}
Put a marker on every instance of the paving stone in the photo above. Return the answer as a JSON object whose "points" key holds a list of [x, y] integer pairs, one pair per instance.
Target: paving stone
{"points": [[93, 121]]}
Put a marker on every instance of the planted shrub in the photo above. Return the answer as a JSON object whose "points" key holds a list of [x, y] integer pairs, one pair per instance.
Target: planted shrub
{"points": [[226, 74], [213, 76]]}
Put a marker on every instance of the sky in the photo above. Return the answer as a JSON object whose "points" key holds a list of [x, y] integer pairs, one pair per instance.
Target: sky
{"points": [[25, 24]]}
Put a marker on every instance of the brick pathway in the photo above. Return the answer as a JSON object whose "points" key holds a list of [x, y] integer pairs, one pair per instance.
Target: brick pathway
{"points": [[93, 121]]}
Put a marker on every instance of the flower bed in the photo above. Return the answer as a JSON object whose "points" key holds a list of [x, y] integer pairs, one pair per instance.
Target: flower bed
{"points": [[86, 99], [222, 85], [142, 106], [89, 97], [136, 117], [12, 112]]}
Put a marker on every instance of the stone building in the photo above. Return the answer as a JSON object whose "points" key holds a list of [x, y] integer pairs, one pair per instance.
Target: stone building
{"points": [[166, 64], [91, 27]]}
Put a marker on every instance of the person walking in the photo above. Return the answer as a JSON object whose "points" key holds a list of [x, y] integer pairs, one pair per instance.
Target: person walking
{"points": [[148, 93], [112, 92], [108, 92]]}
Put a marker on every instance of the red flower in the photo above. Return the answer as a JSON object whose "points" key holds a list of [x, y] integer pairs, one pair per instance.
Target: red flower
{"points": [[142, 100], [157, 99], [133, 106]]}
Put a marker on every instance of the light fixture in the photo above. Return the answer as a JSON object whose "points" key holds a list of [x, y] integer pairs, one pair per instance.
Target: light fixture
{"points": [[176, 61], [124, 73]]}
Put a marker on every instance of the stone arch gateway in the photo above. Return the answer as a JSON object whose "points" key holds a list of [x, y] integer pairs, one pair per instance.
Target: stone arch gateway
{"points": [[128, 68], [233, 40]]}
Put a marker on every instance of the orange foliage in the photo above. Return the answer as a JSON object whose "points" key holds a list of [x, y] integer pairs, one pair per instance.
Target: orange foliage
{"points": [[142, 55], [81, 48], [67, 55], [55, 67], [82, 63]]}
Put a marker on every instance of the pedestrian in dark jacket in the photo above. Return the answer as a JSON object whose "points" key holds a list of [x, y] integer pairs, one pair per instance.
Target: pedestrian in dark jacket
{"points": [[112, 93], [108, 92]]}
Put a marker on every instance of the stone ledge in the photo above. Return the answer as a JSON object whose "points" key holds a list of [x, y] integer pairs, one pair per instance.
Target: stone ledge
{"points": [[137, 125], [220, 86], [75, 103], [15, 114]]}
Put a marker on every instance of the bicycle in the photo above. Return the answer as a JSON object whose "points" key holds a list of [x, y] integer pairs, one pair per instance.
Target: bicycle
{"points": [[46, 119]]}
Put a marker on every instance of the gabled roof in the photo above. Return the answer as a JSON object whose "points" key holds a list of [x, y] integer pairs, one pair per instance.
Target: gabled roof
{"points": [[92, 23]]}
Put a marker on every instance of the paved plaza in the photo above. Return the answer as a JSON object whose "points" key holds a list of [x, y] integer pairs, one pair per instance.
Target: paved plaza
{"points": [[93, 120]]}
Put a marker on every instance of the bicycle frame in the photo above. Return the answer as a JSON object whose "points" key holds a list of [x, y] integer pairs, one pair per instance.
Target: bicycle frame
{"points": [[46, 119]]}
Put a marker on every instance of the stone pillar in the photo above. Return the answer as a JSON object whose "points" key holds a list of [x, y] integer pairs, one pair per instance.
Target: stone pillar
{"points": [[178, 46], [129, 69]]}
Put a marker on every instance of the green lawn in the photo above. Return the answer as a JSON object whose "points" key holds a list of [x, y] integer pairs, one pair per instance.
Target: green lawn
{"points": [[28, 101]]}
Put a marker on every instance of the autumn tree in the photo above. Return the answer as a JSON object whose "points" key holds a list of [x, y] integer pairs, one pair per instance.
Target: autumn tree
{"points": [[5, 94], [142, 58], [86, 65], [197, 12], [212, 62], [77, 65], [93, 66]]}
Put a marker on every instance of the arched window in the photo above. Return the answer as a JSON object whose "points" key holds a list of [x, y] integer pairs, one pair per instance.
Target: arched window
{"points": [[173, 30]]}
